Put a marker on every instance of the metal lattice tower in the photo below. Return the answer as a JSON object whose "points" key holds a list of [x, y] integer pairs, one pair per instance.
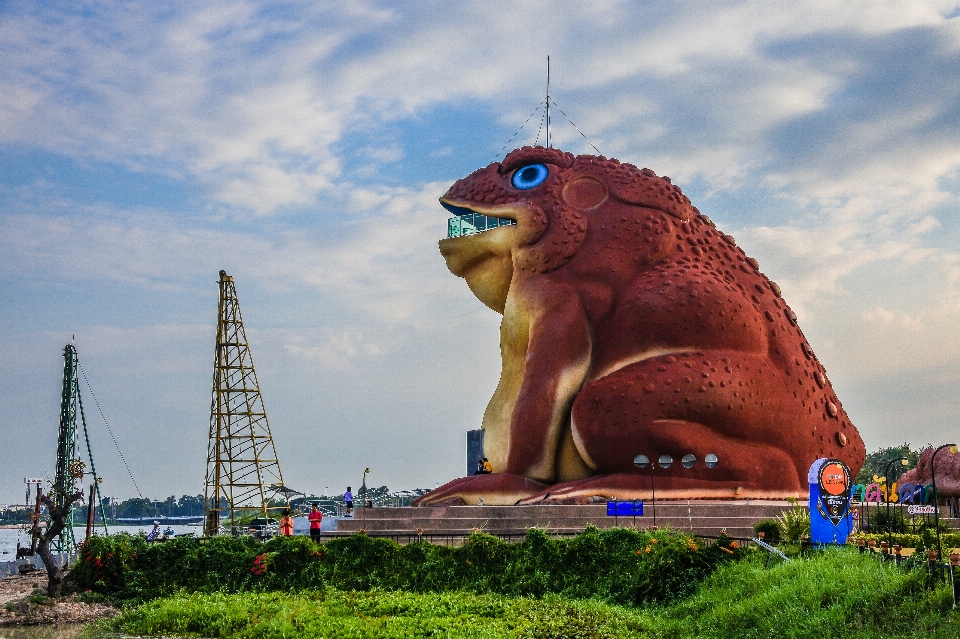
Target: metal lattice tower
{"points": [[243, 471], [70, 468], [64, 482]]}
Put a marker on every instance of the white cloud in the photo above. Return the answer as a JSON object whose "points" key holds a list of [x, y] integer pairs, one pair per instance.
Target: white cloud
{"points": [[384, 264], [253, 104], [346, 349]]}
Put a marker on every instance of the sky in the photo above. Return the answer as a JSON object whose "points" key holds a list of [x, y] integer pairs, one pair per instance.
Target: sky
{"points": [[302, 146]]}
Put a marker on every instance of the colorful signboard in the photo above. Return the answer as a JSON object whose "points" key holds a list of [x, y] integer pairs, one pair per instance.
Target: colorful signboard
{"points": [[831, 519], [898, 493]]}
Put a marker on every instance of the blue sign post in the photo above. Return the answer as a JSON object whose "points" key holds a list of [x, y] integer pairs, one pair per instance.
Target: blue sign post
{"points": [[831, 520], [617, 509]]}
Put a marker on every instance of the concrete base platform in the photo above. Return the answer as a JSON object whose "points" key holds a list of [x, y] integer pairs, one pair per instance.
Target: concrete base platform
{"points": [[696, 517]]}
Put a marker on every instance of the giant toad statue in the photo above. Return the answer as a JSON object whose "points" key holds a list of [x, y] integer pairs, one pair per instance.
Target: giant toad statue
{"points": [[632, 325]]}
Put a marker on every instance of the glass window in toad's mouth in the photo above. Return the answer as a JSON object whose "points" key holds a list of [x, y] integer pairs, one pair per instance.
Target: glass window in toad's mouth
{"points": [[467, 222]]}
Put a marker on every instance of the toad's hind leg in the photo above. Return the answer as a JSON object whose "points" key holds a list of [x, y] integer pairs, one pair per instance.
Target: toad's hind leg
{"points": [[732, 404], [743, 469]]}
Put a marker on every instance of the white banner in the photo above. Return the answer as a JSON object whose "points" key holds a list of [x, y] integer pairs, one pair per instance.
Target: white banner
{"points": [[922, 510]]}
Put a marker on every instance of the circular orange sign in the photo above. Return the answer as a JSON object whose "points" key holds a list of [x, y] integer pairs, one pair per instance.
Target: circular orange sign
{"points": [[834, 478]]}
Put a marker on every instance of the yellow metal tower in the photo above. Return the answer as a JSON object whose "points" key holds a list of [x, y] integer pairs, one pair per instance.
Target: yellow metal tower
{"points": [[243, 472]]}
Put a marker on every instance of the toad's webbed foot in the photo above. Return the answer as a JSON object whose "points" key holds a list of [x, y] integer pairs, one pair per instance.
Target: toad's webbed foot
{"points": [[498, 489]]}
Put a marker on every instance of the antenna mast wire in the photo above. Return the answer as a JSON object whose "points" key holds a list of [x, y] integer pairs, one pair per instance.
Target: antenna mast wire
{"points": [[577, 128], [536, 140], [545, 120], [518, 130]]}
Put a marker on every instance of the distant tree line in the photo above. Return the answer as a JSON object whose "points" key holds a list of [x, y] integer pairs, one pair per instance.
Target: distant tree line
{"points": [[135, 507], [172, 506], [876, 462]]}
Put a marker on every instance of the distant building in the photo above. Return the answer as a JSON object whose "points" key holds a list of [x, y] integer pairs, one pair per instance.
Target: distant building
{"points": [[474, 449]]}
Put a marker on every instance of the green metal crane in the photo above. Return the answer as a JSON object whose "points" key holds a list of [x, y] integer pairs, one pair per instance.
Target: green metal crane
{"points": [[70, 467]]}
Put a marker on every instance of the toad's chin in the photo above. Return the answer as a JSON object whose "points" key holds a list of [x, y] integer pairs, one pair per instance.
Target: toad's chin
{"points": [[483, 257]]}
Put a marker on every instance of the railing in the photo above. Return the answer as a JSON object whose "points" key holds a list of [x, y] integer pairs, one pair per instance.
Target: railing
{"points": [[12, 567], [458, 538], [880, 516]]}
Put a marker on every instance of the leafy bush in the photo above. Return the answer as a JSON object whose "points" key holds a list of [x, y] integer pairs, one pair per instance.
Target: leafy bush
{"points": [[40, 600], [925, 539], [770, 529], [881, 521], [794, 523], [618, 565]]}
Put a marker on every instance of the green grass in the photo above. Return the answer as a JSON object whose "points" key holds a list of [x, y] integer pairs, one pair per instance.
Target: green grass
{"points": [[834, 594], [378, 614]]}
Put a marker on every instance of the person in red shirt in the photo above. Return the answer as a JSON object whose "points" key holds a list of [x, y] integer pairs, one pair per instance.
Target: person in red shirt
{"points": [[316, 520], [286, 525]]}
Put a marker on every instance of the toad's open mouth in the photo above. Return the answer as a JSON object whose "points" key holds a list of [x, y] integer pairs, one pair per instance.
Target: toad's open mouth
{"points": [[469, 222]]}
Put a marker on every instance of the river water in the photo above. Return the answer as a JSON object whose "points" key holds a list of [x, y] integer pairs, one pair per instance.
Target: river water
{"points": [[10, 536], [63, 631]]}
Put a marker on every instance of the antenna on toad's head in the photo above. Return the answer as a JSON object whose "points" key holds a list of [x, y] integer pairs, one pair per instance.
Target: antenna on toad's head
{"points": [[545, 119], [548, 102]]}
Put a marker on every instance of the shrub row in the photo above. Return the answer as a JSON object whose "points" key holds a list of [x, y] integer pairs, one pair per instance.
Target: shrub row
{"points": [[924, 540], [617, 565]]}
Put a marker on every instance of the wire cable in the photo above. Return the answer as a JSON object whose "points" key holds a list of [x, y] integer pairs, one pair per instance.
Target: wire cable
{"points": [[575, 126], [93, 468], [520, 129], [543, 116], [109, 430]]}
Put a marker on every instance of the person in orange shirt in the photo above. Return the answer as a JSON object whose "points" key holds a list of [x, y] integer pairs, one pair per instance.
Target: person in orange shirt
{"points": [[316, 521], [286, 525]]}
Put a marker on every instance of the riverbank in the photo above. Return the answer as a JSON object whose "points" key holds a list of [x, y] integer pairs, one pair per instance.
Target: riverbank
{"points": [[23, 603]]}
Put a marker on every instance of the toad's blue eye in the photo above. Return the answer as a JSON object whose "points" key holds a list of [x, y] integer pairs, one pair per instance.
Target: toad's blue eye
{"points": [[530, 176]]}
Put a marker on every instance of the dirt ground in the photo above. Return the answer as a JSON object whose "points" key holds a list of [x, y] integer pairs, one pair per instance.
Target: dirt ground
{"points": [[16, 610]]}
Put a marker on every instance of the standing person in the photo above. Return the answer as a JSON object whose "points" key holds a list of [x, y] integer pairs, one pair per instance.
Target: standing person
{"points": [[348, 502], [286, 524], [316, 521]]}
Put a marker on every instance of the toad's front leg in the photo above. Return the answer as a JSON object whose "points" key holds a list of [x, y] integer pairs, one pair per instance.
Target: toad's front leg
{"points": [[545, 341]]}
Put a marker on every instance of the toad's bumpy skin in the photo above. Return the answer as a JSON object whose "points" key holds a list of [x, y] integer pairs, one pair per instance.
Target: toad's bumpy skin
{"points": [[632, 325]]}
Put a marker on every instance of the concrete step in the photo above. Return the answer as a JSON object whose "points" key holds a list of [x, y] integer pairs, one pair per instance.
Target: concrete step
{"points": [[701, 509], [678, 523], [704, 518], [405, 536]]}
